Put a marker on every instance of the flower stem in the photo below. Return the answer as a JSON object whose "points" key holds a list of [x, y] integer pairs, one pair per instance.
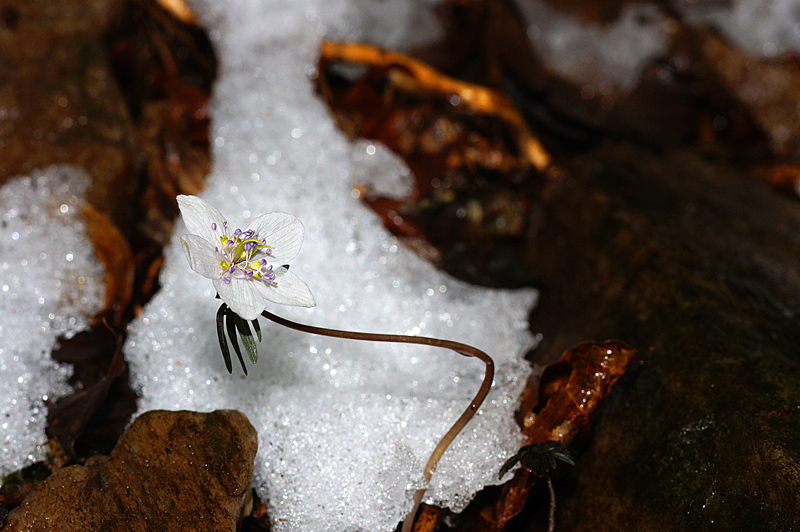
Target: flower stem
{"points": [[463, 349], [551, 522]]}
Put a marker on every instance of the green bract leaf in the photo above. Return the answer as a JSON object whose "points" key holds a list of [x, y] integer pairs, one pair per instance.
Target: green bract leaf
{"points": [[539, 458], [247, 338], [230, 322], [508, 464], [223, 342]]}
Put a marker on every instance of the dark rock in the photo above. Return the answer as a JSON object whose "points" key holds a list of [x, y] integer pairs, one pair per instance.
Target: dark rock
{"points": [[169, 471], [696, 266]]}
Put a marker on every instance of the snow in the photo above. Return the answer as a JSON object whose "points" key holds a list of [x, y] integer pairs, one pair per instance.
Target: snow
{"points": [[764, 28], [600, 57], [51, 284], [609, 57], [345, 427]]}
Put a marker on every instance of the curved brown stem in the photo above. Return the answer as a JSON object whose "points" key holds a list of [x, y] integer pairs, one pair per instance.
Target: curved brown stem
{"points": [[458, 347], [551, 523]]}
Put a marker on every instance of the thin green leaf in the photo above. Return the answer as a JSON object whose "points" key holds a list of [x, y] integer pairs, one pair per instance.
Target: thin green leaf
{"points": [[565, 455], [223, 342], [539, 458], [511, 462], [247, 339], [257, 327], [230, 322]]}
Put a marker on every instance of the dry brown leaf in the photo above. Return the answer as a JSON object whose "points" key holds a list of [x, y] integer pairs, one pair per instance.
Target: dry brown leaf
{"points": [[180, 10], [561, 409], [459, 100], [477, 166], [428, 519], [570, 392], [113, 250]]}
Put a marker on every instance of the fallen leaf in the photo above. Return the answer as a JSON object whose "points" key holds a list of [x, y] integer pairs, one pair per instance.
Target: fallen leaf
{"points": [[113, 250], [569, 394]]}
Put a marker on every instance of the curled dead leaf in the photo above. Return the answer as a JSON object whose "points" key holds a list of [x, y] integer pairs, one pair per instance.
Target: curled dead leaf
{"points": [[427, 519], [369, 108], [113, 250], [180, 10], [570, 393], [477, 167], [571, 390]]}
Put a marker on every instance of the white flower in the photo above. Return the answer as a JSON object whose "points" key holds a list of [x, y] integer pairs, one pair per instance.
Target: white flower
{"points": [[246, 267]]}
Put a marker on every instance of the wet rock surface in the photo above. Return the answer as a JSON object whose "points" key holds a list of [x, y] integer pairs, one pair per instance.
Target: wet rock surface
{"points": [[696, 266], [169, 471]]}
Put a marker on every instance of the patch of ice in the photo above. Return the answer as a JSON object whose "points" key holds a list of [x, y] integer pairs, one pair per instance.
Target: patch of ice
{"points": [[51, 283]]}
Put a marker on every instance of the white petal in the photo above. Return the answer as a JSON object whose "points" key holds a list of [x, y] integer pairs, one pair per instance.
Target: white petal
{"points": [[200, 216], [290, 290], [201, 255], [282, 231], [242, 296]]}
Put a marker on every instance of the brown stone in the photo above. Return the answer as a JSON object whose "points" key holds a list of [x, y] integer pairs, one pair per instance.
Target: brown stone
{"points": [[170, 471], [695, 265], [59, 102]]}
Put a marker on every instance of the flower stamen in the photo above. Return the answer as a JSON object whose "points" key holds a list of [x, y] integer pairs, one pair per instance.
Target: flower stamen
{"points": [[243, 255]]}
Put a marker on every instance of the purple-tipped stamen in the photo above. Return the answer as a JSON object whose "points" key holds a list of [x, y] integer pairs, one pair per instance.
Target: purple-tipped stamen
{"points": [[214, 226], [248, 265]]}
